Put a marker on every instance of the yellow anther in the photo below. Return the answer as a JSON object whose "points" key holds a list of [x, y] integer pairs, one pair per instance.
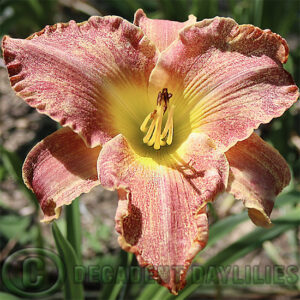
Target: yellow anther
{"points": [[170, 135], [169, 123], [143, 127], [154, 136], [150, 131], [158, 129]]}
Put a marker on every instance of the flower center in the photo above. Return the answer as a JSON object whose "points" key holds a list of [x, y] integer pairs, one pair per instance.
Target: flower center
{"points": [[155, 136]]}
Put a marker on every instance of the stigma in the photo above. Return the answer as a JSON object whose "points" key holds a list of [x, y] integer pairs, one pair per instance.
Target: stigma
{"points": [[155, 136]]}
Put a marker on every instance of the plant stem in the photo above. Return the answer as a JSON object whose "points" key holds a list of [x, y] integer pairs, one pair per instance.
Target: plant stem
{"points": [[74, 227]]}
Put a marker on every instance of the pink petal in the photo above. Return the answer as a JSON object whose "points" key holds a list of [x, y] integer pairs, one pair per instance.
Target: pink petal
{"points": [[161, 215], [228, 78], [59, 169], [77, 73], [258, 174], [161, 32]]}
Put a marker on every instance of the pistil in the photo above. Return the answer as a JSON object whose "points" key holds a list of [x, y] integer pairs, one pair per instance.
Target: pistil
{"points": [[154, 136]]}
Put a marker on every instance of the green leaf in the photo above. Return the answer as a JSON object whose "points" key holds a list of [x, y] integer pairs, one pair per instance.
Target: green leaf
{"points": [[13, 165], [149, 291], [111, 292], [7, 296], [248, 243], [291, 198], [257, 13], [224, 227], [273, 253], [36, 7], [230, 254], [174, 10], [72, 290], [12, 226], [3, 173]]}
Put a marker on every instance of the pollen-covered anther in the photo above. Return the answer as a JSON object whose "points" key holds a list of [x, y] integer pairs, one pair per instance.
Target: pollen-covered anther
{"points": [[155, 136]]}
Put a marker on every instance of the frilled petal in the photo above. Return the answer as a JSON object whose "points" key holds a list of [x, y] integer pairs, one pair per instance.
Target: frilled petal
{"points": [[60, 168], [161, 32], [226, 79], [161, 215], [80, 74], [258, 174]]}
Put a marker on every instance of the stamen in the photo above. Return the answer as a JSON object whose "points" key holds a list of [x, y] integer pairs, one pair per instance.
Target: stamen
{"points": [[154, 135], [170, 135], [169, 122], [150, 131], [158, 130], [144, 124]]}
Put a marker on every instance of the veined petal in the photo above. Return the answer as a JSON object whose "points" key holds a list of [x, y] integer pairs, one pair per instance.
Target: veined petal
{"points": [[225, 78], [161, 32], [79, 74], [258, 174], [59, 169], [161, 215]]}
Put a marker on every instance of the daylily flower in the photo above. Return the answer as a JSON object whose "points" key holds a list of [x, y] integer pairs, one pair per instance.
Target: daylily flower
{"points": [[163, 112]]}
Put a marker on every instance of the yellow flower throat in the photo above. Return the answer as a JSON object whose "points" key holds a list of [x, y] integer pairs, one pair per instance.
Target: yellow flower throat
{"points": [[154, 135]]}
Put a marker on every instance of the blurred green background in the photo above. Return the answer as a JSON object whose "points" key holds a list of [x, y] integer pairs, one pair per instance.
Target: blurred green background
{"points": [[233, 239]]}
